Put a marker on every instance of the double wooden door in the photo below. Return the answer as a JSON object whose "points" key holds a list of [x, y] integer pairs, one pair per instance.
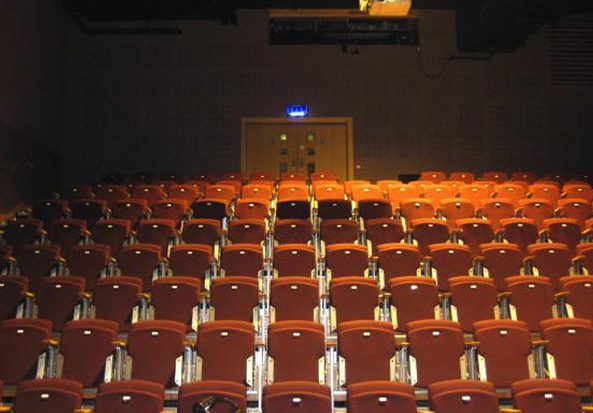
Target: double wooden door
{"points": [[282, 145]]}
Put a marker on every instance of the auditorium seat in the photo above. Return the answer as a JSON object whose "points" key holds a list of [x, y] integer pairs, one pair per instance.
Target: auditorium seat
{"points": [[412, 299], [132, 209], [68, 232], [475, 193], [538, 209], [111, 193], [294, 298], [297, 207], [13, 290], [367, 348], [339, 231], [77, 192], [508, 341], [48, 210], [570, 343], [223, 394], [202, 231], [551, 260], [112, 233], [292, 190], [436, 193], [580, 295], [176, 298], [520, 231], [329, 191], [221, 191], [257, 191], [429, 231], [48, 396], [450, 260], [437, 346], [532, 299], [495, 210], [381, 396], [252, 208], [550, 192], [130, 396], [115, 298], [454, 209], [21, 343], [344, 260], [191, 260], [575, 208], [38, 261], [293, 231], [322, 176], [296, 397], [89, 210], [398, 260], [171, 209], [332, 208], [19, 232], [354, 298], [294, 260], [211, 208], [498, 177], [473, 299], [187, 192], [242, 259], [434, 176], [225, 348], [247, 231], [263, 176], [56, 298], [546, 396], [467, 177], [142, 261], [369, 209], [577, 191], [154, 347], [564, 231], [474, 232], [384, 184], [148, 192], [528, 177], [395, 193], [364, 191], [512, 191], [416, 208], [89, 262], [463, 396], [501, 260], [382, 231], [296, 351], [234, 298], [159, 232], [85, 345]]}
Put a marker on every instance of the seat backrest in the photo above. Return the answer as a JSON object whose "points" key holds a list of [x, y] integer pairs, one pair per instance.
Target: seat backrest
{"points": [[367, 348], [507, 340], [294, 298], [21, 343], [85, 344], [154, 347], [225, 347], [413, 298], [437, 346], [130, 396], [242, 259], [296, 348]]}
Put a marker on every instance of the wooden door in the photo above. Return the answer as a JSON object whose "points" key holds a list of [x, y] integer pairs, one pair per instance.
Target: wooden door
{"points": [[281, 145]]}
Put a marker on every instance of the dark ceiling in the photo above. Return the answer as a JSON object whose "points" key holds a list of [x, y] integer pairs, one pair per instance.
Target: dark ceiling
{"points": [[483, 26]]}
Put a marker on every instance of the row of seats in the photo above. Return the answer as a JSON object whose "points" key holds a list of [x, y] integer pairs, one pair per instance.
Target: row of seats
{"points": [[297, 357]]}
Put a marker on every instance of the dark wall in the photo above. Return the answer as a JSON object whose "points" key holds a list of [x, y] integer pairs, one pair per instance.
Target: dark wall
{"points": [[33, 44], [175, 103]]}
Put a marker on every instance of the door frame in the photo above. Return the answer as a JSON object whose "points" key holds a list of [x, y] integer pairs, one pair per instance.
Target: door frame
{"points": [[347, 121]]}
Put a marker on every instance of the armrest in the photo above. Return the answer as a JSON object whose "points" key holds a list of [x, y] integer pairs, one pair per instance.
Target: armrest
{"points": [[507, 410], [83, 410], [585, 409], [5, 409]]}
